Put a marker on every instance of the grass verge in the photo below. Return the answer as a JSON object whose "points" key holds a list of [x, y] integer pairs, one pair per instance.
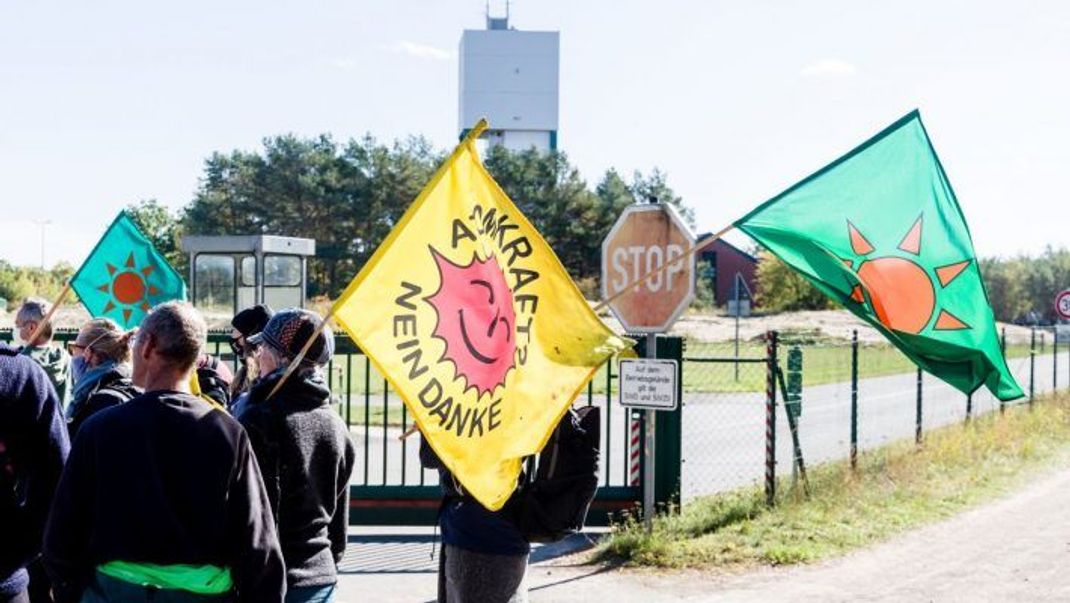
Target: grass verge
{"points": [[896, 487]]}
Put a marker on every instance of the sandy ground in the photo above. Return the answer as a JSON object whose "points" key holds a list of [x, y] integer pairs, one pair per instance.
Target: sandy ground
{"points": [[1014, 549]]}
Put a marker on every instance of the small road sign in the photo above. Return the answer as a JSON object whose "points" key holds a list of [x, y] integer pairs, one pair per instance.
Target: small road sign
{"points": [[648, 383], [1062, 304]]}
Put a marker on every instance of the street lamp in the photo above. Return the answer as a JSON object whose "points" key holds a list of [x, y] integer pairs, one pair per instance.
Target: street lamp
{"points": [[42, 224]]}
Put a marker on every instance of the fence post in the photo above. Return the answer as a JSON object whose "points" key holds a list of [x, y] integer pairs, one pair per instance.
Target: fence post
{"points": [[1055, 358], [1032, 361], [770, 417], [668, 433], [917, 416], [1003, 348], [854, 399]]}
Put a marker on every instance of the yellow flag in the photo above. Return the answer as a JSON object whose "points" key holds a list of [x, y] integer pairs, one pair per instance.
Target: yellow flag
{"points": [[468, 313]]}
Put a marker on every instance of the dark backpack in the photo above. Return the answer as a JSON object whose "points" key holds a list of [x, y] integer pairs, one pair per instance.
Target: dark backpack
{"points": [[553, 501], [212, 383]]}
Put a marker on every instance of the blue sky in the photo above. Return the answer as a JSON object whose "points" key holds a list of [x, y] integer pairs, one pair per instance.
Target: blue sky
{"points": [[105, 103]]}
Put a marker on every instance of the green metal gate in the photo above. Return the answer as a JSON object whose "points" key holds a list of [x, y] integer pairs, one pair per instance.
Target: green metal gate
{"points": [[390, 488]]}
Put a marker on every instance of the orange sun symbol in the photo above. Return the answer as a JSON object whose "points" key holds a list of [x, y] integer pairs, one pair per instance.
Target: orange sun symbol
{"points": [[129, 288], [899, 289]]}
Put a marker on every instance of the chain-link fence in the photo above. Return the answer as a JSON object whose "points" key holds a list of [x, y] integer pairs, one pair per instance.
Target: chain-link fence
{"points": [[855, 393]]}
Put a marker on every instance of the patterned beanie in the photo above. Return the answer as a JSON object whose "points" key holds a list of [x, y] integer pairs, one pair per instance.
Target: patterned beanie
{"points": [[289, 330]]}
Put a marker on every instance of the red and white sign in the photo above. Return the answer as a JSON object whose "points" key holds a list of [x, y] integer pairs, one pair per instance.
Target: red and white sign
{"points": [[1062, 304], [643, 239]]}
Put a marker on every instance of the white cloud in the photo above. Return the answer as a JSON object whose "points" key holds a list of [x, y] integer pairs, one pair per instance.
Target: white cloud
{"points": [[828, 68], [422, 51]]}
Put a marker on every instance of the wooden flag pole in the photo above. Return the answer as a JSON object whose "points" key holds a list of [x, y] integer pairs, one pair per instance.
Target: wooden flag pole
{"points": [[697, 247], [51, 311], [411, 430], [301, 355]]}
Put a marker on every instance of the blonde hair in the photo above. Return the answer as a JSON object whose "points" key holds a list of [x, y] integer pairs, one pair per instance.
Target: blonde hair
{"points": [[105, 337]]}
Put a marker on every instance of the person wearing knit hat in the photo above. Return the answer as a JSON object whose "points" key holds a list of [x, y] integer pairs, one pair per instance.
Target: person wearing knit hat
{"points": [[246, 323], [304, 450]]}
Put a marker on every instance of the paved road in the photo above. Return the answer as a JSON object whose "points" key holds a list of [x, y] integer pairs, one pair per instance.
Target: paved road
{"points": [[724, 434]]}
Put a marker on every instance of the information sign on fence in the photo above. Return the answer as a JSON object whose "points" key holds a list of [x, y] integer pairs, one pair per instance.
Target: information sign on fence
{"points": [[648, 383]]}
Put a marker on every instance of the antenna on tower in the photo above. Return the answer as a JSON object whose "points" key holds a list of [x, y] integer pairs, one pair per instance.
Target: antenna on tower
{"points": [[497, 23]]}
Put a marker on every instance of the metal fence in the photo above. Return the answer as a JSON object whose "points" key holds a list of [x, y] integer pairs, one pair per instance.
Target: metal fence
{"points": [[723, 433], [726, 431], [389, 484]]}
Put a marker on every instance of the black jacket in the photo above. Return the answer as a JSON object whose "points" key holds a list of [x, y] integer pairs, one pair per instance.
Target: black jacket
{"points": [[33, 447], [114, 388], [163, 479], [306, 456]]}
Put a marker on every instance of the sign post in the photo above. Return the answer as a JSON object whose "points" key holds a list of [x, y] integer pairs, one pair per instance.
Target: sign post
{"points": [[646, 238]]}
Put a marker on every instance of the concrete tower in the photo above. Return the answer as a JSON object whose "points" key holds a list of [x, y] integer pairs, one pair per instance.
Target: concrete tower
{"points": [[510, 77]]}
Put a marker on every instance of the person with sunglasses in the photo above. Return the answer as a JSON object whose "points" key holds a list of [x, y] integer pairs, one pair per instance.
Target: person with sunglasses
{"points": [[101, 365], [246, 324]]}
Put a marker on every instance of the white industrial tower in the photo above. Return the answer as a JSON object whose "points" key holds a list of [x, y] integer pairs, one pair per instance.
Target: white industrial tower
{"points": [[510, 77]]}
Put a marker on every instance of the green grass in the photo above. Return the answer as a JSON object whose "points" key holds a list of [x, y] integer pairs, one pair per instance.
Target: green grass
{"points": [[896, 488], [825, 360]]}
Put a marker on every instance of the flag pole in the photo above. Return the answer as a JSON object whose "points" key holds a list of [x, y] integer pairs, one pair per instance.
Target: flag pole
{"points": [[51, 311], [301, 355], [697, 247]]}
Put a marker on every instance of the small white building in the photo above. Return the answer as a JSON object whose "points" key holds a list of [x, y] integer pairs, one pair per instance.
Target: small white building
{"points": [[511, 78]]}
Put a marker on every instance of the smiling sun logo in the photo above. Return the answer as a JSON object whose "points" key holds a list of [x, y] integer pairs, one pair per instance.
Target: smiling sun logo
{"points": [[899, 289], [476, 320], [128, 288]]}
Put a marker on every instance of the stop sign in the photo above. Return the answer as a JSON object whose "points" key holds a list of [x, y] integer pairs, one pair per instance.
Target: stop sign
{"points": [[645, 238]]}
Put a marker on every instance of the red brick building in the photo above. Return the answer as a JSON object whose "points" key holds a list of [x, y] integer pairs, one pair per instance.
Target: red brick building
{"points": [[725, 261]]}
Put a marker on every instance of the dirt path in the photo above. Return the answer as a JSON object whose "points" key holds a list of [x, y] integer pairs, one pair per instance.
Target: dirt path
{"points": [[1014, 549]]}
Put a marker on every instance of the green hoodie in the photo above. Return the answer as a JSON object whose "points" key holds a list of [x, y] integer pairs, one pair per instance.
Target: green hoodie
{"points": [[57, 364]]}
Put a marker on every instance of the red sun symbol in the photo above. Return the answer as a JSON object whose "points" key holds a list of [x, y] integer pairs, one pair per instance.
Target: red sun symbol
{"points": [[900, 290], [128, 288], [476, 320]]}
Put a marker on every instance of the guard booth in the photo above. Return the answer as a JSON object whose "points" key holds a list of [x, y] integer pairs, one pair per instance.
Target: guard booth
{"points": [[231, 273]]}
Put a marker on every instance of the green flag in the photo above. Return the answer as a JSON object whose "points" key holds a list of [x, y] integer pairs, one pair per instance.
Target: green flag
{"points": [[880, 231], [124, 276]]}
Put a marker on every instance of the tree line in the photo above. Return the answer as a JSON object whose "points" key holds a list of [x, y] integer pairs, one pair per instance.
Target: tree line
{"points": [[348, 196]]}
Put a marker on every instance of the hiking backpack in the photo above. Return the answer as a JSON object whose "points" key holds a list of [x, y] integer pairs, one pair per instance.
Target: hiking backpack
{"points": [[552, 502]]}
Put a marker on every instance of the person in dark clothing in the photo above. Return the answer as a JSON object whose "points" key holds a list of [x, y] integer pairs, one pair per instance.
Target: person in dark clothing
{"points": [[484, 556], [246, 323], [30, 319], [162, 498], [33, 448], [305, 452], [101, 355]]}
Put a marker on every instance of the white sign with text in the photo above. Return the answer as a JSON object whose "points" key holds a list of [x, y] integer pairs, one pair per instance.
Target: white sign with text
{"points": [[648, 383]]}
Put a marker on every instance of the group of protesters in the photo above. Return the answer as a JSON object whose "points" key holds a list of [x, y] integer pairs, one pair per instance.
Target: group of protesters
{"points": [[134, 466], [119, 484]]}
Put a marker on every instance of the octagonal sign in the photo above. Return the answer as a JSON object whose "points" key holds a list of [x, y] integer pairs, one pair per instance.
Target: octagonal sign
{"points": [[645, 238]]}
